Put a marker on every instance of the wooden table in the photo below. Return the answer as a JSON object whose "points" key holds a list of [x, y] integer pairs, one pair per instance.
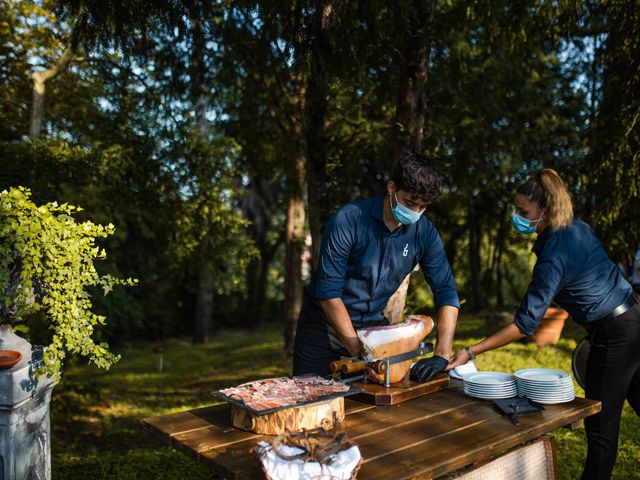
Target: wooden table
{"points": [[426, 437]]}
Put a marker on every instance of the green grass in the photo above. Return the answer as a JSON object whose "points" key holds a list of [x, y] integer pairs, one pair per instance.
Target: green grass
{"points": [[96, 415]]}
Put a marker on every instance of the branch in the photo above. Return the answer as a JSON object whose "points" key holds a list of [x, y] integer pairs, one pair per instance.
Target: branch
{"points": [[39, 80], [57, 69]]}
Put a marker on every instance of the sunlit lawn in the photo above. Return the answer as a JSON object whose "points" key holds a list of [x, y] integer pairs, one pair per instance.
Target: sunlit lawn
{"points": [[96, 415]]}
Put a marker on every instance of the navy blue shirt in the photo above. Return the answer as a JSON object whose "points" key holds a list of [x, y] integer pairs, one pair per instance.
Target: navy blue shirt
{"points": [[364, 263], [574, 270]]}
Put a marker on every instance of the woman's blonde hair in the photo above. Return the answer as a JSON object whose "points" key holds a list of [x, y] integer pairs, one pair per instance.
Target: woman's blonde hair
{"points": [[547, 190]]}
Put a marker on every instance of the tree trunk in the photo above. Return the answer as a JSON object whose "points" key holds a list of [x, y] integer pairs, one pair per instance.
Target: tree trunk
{"points": [[252, 273], [204, 305], [500, 245], [258, 206], [410, 111], [411, 108], [39, 85], [475, 237], [203, 327], [499, 288], [294, 245], [257, 282], [317, 93]]}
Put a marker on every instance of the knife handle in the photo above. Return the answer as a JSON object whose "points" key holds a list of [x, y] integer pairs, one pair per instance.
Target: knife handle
{"points": [[336, 366], [346, 365], [353, 366]]}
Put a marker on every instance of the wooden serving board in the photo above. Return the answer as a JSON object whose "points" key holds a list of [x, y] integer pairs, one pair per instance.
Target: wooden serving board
{"points": [[401, 391], [326, 414]]}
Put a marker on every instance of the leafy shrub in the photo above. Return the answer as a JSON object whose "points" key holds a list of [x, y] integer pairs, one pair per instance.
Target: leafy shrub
{"points": [[47, 266]]}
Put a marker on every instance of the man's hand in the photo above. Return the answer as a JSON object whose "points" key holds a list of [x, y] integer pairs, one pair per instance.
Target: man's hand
{"points": [[339, 319], [353, 345], [426, 368]]}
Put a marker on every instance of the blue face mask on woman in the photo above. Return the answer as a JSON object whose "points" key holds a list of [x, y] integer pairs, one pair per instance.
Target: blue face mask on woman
{"points": [[402, 214], [524, 225]]}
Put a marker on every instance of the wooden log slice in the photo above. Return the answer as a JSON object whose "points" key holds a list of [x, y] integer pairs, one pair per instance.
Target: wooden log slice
{"points": [[326, 414]]}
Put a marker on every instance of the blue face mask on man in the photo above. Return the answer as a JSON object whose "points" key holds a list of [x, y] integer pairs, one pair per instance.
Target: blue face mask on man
{"points": [[402, 214], [524, 225]]}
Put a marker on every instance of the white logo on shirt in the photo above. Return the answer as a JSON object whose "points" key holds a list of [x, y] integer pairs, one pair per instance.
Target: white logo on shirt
{"points": [[406, 250]]}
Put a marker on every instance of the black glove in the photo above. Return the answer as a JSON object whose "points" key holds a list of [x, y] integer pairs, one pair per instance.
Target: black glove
{"points": [[426, 368]]}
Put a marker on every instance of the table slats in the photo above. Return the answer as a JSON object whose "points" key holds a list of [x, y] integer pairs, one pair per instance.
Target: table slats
{"points": [[422, 438]]}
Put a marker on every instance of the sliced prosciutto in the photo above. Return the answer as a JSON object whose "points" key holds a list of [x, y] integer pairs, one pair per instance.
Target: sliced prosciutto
{"points": [[284, 391], [395, 339]]}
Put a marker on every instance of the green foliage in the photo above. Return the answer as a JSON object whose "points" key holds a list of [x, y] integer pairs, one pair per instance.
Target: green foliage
{"points": [[25, 45], [208, 229], [47, 263]]}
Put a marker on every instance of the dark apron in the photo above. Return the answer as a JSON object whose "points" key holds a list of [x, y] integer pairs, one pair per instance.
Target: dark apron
{"points": [[317, 344]]}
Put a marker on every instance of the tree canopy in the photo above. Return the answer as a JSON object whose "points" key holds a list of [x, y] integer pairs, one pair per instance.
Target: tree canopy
{"points": [[218, 137]]}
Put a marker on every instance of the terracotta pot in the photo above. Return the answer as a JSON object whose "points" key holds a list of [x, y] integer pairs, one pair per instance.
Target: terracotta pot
{"points": [[9, 358], [550, 328]]}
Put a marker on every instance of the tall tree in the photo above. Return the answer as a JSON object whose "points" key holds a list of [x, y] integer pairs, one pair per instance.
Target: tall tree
{"points": [[177, 45], [501, 106], [613, 169], [411, 107], [413, 73]]}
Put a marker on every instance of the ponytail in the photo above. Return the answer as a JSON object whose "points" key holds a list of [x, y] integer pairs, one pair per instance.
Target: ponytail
{"points": [[548, 191], [559, 205]]}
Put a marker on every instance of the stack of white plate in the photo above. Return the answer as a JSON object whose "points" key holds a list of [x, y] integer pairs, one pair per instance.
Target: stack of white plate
{"points": [[490, 385], [544, 385]]}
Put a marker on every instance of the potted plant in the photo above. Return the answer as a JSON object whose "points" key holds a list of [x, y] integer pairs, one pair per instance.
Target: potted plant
{"points": [[46, 267], [550, 328]]}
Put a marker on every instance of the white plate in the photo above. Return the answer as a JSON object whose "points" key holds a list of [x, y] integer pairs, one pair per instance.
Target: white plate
{"points": [[491, 397], [533, 395], [547, 382], [560, 386], [488, 378], [505, 395], [505, 392], [497, 385], [552, 401], [491, 392], [546, 385], [544, 375], [546, 390], [491, 387], [552, 397]]}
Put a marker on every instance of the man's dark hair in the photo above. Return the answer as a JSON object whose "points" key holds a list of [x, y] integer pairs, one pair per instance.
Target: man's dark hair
{"points": [[417, 174]]}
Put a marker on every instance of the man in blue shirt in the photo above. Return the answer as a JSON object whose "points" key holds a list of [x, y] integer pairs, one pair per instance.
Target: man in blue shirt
{"points": [[368, 248]]}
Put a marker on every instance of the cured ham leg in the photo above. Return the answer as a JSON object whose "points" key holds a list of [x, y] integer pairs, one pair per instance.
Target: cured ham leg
{"points": [[380, 342]]}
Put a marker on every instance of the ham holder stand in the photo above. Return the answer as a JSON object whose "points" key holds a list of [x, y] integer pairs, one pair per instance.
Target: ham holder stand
{"points": [[356, 371]]}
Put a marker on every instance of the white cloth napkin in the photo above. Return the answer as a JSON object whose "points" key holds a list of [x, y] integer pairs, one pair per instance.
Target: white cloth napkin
{"points": [[279, 469], [462, 370]]}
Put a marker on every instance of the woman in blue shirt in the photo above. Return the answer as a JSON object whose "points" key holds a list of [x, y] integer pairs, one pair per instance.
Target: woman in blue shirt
{"points": [[573, 270]]}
